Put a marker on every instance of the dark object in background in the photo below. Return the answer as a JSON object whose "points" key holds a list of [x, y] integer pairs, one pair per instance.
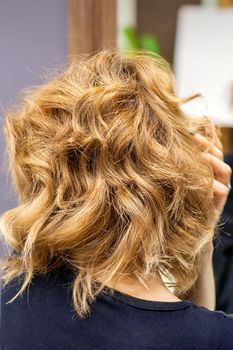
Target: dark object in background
{"points": [[223, 255]]}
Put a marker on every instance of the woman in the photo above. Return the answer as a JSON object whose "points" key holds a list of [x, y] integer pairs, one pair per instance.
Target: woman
{"points": [[120, 194]]}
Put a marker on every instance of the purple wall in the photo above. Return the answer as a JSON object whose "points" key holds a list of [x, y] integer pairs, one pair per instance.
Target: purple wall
{"points": [[33, 38]]}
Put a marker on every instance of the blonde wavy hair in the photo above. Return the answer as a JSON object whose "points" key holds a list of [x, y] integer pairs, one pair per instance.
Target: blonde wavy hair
{"points": [[109, 177]]}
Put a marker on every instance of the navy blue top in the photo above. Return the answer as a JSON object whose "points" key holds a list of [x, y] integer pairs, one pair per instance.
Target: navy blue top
{"points": [[43, 318]]}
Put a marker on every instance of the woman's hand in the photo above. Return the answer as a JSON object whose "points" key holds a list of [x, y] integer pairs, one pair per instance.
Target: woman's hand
{"points": [[203, 293], [213, 154]]}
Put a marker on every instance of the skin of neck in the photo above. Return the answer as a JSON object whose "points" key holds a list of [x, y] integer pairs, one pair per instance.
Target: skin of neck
{"points": [[156, 291]]}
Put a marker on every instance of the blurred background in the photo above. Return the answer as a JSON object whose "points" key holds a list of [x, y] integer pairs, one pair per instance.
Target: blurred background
{"points": [[196, 37]]}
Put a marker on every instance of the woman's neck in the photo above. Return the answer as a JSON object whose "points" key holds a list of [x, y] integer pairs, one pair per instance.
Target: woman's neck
{"points": [[156, 291]]}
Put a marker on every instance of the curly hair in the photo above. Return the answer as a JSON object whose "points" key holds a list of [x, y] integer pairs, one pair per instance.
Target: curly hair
{"points": [[109, 178]]}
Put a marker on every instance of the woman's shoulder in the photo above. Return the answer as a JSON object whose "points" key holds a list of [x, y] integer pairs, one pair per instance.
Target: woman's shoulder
{"points": [[39, 293], [216, 315], [35, 314], [52, 293], [45, 308], [216, 323]]}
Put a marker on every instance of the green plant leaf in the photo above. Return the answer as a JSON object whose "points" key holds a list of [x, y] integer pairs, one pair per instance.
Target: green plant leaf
{"points": [[150, 43], [131, 38]]}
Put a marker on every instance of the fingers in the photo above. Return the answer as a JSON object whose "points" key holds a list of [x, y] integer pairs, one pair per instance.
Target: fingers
{"points": [[220, 195], [220, 190], [211, 131], [222, 171], [218, 144], [213, 154], [205, 145]]}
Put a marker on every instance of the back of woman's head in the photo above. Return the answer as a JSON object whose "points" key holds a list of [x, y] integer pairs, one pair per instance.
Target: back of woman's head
{"points": [[109, 177]]}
